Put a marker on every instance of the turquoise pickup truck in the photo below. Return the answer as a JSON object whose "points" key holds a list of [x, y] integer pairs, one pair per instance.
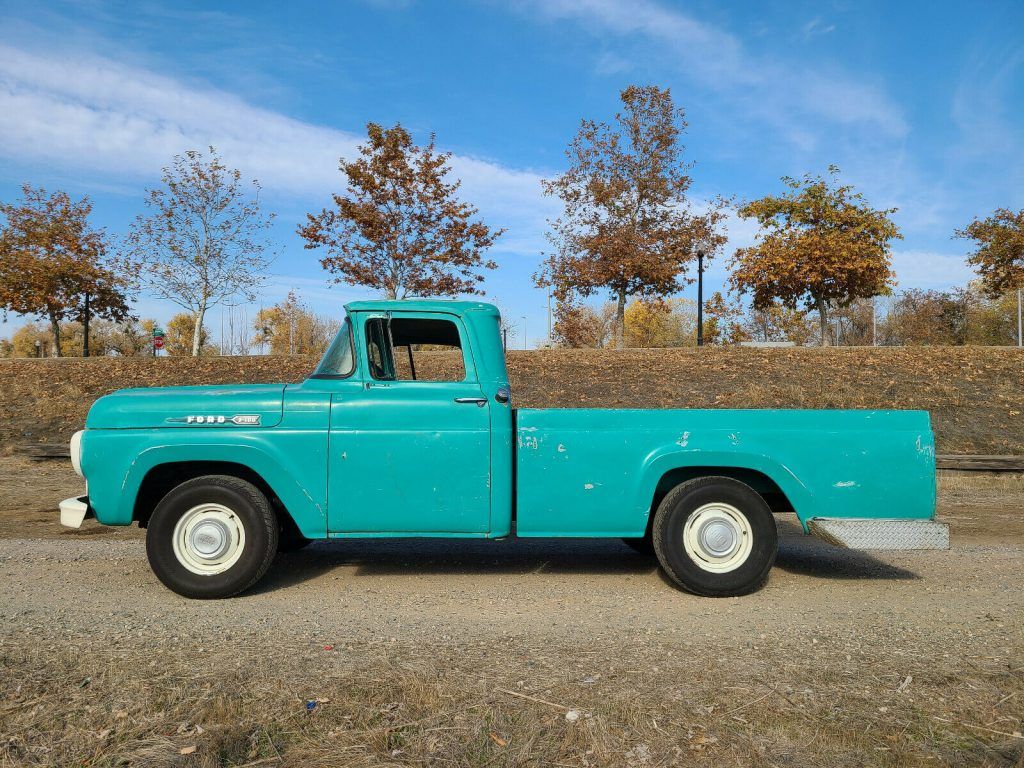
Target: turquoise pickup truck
{"points": [[407, 429]]}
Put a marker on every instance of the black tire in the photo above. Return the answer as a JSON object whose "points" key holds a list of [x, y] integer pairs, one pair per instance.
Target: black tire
{"points": [[249, 510], [687, 570], [643, 545]]}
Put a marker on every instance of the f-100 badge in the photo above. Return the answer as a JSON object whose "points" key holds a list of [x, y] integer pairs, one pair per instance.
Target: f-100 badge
{"points": [[242, 420]]}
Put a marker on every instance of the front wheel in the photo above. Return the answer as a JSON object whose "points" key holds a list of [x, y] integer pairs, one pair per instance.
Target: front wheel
{"points": [[715, 536], [212, 537]]}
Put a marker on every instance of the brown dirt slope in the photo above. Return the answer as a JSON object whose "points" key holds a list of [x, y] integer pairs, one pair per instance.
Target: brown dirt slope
{"points": [[975, 394]]}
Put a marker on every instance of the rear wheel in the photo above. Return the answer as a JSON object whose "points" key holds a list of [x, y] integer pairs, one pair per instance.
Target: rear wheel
{"points": [[715, 536], [212, 537]]}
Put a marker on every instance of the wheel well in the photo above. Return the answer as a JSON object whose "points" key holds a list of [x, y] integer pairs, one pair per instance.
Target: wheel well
{"points": [[159, 481], [769, 490]]}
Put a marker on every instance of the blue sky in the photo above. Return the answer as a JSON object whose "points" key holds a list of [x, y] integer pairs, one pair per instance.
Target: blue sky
{"points": [[920, 104]]}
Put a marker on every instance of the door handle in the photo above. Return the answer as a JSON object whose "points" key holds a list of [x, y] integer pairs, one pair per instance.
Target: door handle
{"points": [[480, 401]]}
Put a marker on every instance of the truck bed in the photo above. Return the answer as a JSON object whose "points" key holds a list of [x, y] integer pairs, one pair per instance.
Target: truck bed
{"points": [[597, 472]]}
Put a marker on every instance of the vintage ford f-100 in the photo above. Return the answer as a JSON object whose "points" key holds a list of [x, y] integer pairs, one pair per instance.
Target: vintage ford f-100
{"points": [[224, 477]]}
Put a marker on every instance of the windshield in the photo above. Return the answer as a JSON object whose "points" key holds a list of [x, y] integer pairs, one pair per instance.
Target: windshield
{"points": [[339, 360]]}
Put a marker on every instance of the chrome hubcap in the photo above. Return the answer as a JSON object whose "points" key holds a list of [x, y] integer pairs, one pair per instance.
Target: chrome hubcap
{"points": [[718, 537], [208, 539]]}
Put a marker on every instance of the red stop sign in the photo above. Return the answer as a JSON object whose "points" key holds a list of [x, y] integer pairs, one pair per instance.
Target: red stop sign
{"points": [[158, 342]]}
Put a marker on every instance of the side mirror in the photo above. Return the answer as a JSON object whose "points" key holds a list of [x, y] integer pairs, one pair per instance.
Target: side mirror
{"points": [[503, 395]]}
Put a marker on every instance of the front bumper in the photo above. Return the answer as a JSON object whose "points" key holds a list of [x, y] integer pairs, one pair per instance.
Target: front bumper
{"points": [[869, 533], [74, 511]]}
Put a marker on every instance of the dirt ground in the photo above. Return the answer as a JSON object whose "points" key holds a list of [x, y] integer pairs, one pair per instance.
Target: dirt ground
{"points": [[569, 653]]}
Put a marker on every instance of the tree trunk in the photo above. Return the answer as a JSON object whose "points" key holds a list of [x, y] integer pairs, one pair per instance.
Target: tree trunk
{"points": [[197, 333], [85, 327], [823, 319], [620, 321], [55, 330]]}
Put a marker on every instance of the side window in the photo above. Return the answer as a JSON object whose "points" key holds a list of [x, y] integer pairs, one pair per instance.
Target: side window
{"points": [[414, 349]]}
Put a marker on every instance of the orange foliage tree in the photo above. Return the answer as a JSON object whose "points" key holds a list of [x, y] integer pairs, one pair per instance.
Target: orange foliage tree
{"points": [[580, 325], [52, 263], [999, 253], [821, 245], [399, 227], [723, 320], [627, 226], [291, 328]]}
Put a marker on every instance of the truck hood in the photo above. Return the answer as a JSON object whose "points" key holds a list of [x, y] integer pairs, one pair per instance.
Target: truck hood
{"points": [[233, 406]]}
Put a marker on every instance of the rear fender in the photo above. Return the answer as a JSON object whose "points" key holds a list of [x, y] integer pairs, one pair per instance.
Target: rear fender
{"points": [[662, 462]]}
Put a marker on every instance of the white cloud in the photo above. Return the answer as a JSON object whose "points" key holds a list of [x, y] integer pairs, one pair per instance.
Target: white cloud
{"points": [[87, 113], [115, 126], [777, 93], [816, 27], [929, 269]]}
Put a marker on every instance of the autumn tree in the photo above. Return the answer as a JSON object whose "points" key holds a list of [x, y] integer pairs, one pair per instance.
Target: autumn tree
{"points": [[660, 323], [999, 255], [400, 227], [203, 240], [723, 320], [53, 263], [32, 339], [180, 334], [580, 325], [291, 328], [130, 338], [925, 317], [627, 225], [856, 323], [820, 246], [777, 322]]}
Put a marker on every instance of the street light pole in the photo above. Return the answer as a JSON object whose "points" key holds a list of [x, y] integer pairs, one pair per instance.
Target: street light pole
{"points": [[525, 342], [1020, 324], [700, 298], [874, 324]]}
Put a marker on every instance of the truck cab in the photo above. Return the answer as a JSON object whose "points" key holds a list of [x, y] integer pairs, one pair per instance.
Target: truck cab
{"points": [[407, 428]]}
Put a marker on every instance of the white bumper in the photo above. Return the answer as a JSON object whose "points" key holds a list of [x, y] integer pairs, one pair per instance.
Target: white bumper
{"points": [[881, 534], [74, 511]]}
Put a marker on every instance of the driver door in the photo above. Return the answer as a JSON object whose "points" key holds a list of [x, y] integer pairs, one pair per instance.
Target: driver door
{"points": [[409, 453]]}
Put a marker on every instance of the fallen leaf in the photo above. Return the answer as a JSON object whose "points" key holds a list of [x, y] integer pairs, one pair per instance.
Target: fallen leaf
{"points": [[497, 739]]}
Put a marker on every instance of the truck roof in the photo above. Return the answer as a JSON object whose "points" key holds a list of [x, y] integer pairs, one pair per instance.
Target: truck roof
{"points": [[421, 305]]}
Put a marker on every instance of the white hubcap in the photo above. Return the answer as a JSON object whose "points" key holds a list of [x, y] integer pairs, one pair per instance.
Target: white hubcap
{"points": [[717, 537], [208, 539]]}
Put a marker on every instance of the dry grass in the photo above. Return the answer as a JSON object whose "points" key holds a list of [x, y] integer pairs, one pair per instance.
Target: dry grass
{"points": [[974, 488], [644, 704]]}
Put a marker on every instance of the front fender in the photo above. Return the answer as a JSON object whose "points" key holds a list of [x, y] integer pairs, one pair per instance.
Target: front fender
{"points": [[309, 514], [293, 465]]}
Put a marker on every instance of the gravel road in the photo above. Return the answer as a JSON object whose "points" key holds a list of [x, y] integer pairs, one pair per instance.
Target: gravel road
{"points": [[569, 591]]}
